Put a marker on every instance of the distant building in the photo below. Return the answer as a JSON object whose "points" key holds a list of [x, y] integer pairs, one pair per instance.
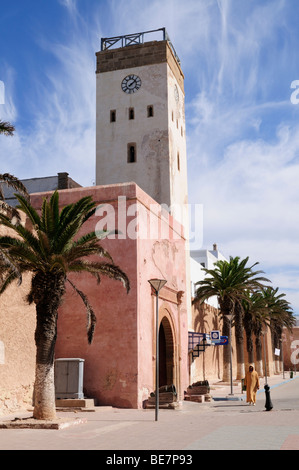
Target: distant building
{"points": [[200, 260], [39, 185]]}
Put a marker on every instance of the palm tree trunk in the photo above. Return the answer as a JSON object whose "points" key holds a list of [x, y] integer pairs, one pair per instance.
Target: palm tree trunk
{"points": [[248, 325], [250, 349], [44, 400], [44, 388], [48, 292], [226, 308], [276, 345], [259, 356], [239, 341], [226, 331]]}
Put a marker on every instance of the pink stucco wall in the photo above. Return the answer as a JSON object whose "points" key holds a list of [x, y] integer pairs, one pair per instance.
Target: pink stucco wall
{"points": [[119, 365]]}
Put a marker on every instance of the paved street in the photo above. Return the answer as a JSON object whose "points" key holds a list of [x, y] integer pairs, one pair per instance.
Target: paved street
{"points": [[218, 425]]}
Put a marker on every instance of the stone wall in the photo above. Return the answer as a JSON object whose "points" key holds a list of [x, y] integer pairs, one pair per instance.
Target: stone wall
{"points": [[17, 348]]}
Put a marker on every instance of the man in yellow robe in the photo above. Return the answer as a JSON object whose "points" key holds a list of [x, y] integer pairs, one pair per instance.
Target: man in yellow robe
{"points": [[252, 385]]}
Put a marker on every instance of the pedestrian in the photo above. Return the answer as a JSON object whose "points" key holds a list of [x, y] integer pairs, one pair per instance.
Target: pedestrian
{"points": [[252, 385]]}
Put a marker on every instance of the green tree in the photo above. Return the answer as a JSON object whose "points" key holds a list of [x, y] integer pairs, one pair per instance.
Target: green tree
{"points": [[280, 316], [50, 251], [255, 317], [230, 281], [9, 180], [265, 308]]}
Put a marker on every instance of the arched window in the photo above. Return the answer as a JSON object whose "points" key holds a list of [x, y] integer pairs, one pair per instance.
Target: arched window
{"points": [[131, 157], [131, 113], [112, 115], [150, 111]]}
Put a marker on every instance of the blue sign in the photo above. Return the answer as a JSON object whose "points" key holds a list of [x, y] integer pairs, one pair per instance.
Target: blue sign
{"points": [[215, 335], [222, 342]]}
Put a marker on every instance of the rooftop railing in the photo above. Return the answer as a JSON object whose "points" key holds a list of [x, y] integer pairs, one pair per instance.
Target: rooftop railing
{"points": [[136, 38]]}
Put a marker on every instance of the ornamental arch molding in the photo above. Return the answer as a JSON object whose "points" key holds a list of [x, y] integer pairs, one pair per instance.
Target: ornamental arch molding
{"points": [[168, 348]]}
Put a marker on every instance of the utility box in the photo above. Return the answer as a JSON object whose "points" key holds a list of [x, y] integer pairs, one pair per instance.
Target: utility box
{"points": [[69, 378]]}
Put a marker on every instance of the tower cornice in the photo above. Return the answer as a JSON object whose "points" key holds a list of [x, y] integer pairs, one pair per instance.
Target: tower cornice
{"points": [[138, 55]]}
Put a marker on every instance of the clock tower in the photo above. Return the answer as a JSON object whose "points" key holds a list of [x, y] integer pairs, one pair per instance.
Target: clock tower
{"points": [[140, 122]]}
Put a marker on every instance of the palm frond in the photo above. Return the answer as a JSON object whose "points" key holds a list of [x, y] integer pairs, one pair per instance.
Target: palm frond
{"points": [[110, 270], [7, 264], [29, 210], [14, 183], [6, 128], [91, 317], [8, 279], [11, 212]]}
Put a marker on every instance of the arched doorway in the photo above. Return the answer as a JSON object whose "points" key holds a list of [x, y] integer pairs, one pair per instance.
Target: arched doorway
{"points": [[166, 354]]}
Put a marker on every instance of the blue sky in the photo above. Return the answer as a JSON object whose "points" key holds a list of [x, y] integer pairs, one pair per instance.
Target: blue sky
{"points": [[239, 58]]}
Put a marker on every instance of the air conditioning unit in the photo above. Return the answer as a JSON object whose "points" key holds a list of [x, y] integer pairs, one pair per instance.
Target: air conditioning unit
{"points": [[68, 376]]}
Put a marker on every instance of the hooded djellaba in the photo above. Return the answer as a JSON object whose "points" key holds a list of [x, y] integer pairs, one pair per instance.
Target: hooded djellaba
{"points": [[252, 385]]}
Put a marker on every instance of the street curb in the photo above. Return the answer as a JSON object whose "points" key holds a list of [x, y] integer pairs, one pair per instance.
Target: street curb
{"points": [[228, 398], [278, 385]]}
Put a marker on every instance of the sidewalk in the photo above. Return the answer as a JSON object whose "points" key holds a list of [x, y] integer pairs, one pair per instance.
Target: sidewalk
{"points": [[221, 391], [209, 426]]}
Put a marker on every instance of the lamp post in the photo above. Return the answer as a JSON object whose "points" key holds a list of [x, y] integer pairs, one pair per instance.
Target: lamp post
{"points": [[157, 285], [265, 357], [229, 317]]}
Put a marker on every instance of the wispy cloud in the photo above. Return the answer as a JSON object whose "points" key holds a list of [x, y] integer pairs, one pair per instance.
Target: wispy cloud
{"points": [[239, 59], [61, 134], [243, 138]]}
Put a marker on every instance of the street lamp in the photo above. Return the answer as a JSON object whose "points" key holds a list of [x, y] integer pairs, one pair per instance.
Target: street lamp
{"points": [[157, 285], [229, 317]]}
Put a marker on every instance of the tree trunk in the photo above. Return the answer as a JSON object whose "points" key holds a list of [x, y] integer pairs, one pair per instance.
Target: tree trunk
{"points": [[240, 361], [239, 341], [226, 308], [226, 331], [259, 358], [44, 390], [249, 342], [250, 350], [276, 345], [47, 291]]}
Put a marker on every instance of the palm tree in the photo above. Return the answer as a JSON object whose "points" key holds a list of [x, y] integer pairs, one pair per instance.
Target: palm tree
{"points": [[229, 281], [266, 308], [239, 334], [6, 128], [255, 317], [281, 315], [49, 251], [9, 180]]}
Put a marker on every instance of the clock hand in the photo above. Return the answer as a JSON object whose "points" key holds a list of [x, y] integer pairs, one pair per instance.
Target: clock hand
{"points": [[131, 83]]}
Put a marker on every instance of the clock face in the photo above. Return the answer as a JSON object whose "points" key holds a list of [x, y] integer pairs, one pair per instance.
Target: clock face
{"points": [[131, 84]]}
